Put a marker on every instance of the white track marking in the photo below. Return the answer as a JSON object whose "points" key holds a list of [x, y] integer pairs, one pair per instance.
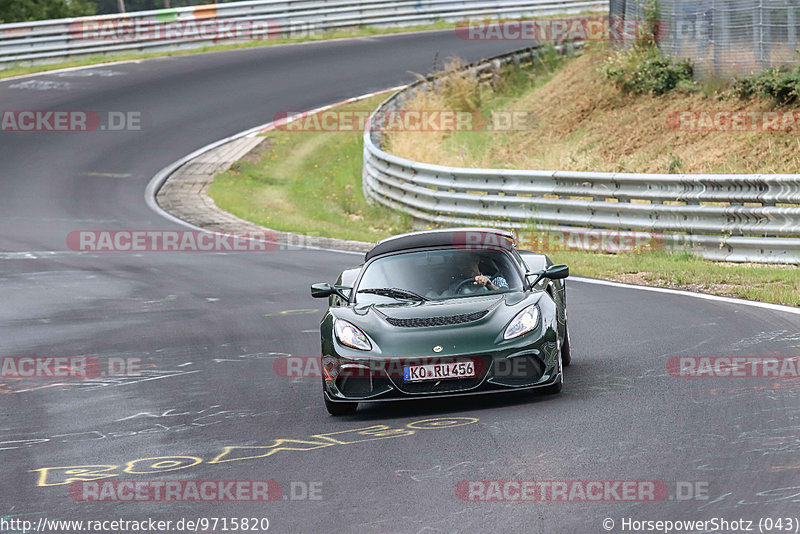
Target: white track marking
{"points": [[39, 85], [717, 298], [68, 69]]}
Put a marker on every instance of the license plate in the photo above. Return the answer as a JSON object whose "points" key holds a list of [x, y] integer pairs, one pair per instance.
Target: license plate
{"points": [[438, 371]]}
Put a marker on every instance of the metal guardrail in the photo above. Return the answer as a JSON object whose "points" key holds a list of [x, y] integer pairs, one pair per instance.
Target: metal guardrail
{"points": [[739, 218], [171, 29]]}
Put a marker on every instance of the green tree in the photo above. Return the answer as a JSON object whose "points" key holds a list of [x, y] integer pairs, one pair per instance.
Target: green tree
{"points": [[28, 10]]}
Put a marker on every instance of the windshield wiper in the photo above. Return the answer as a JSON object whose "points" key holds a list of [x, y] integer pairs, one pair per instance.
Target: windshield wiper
{"points": [[395, 293]]}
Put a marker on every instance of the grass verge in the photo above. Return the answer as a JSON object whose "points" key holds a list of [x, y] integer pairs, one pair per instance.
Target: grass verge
{"points": [[307, 182], [779, 284]]}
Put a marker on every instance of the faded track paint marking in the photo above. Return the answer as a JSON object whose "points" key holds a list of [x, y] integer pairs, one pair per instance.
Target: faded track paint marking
{"points": [[302, 311], [57, 476]]}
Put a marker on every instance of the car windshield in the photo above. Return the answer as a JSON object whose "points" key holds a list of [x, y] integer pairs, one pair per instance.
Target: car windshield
{"points": [[437, 275]]}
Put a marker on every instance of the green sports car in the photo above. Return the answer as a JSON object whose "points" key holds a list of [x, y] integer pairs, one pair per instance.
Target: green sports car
{"points": [[441, 313]]}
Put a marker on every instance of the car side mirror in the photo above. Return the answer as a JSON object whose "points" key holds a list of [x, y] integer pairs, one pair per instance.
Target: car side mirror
{"points": [[324, 290], [554, 272]]}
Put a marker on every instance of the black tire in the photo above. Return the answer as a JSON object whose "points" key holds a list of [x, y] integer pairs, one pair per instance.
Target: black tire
{"points": [[339, 408], [566, 357]]}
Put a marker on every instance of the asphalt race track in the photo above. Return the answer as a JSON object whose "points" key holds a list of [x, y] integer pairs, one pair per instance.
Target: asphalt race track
{"points": [[207, 329]]}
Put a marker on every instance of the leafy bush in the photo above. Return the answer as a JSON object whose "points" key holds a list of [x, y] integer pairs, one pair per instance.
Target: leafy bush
{"points": [[28, 10], [780, 84], [644, 70]]}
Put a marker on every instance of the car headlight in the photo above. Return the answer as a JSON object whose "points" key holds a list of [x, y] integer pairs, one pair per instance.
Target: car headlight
{"points": [[349, 335], [524, 322]]}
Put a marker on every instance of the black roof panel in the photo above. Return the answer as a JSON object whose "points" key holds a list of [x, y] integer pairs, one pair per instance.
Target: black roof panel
{"points": [[466, 238]]}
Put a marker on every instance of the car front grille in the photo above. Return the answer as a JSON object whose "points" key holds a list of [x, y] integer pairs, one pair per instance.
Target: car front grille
{"points": [[420, 322]]}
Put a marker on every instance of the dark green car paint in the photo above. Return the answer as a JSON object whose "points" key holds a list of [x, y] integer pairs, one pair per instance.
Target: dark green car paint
{"points": [[480, 338]]}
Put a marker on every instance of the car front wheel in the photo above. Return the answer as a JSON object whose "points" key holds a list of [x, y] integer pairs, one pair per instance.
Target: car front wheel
{"points": [[566, 356]]}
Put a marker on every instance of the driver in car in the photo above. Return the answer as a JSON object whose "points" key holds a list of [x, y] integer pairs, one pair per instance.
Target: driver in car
{"points": [[470, 266]]}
